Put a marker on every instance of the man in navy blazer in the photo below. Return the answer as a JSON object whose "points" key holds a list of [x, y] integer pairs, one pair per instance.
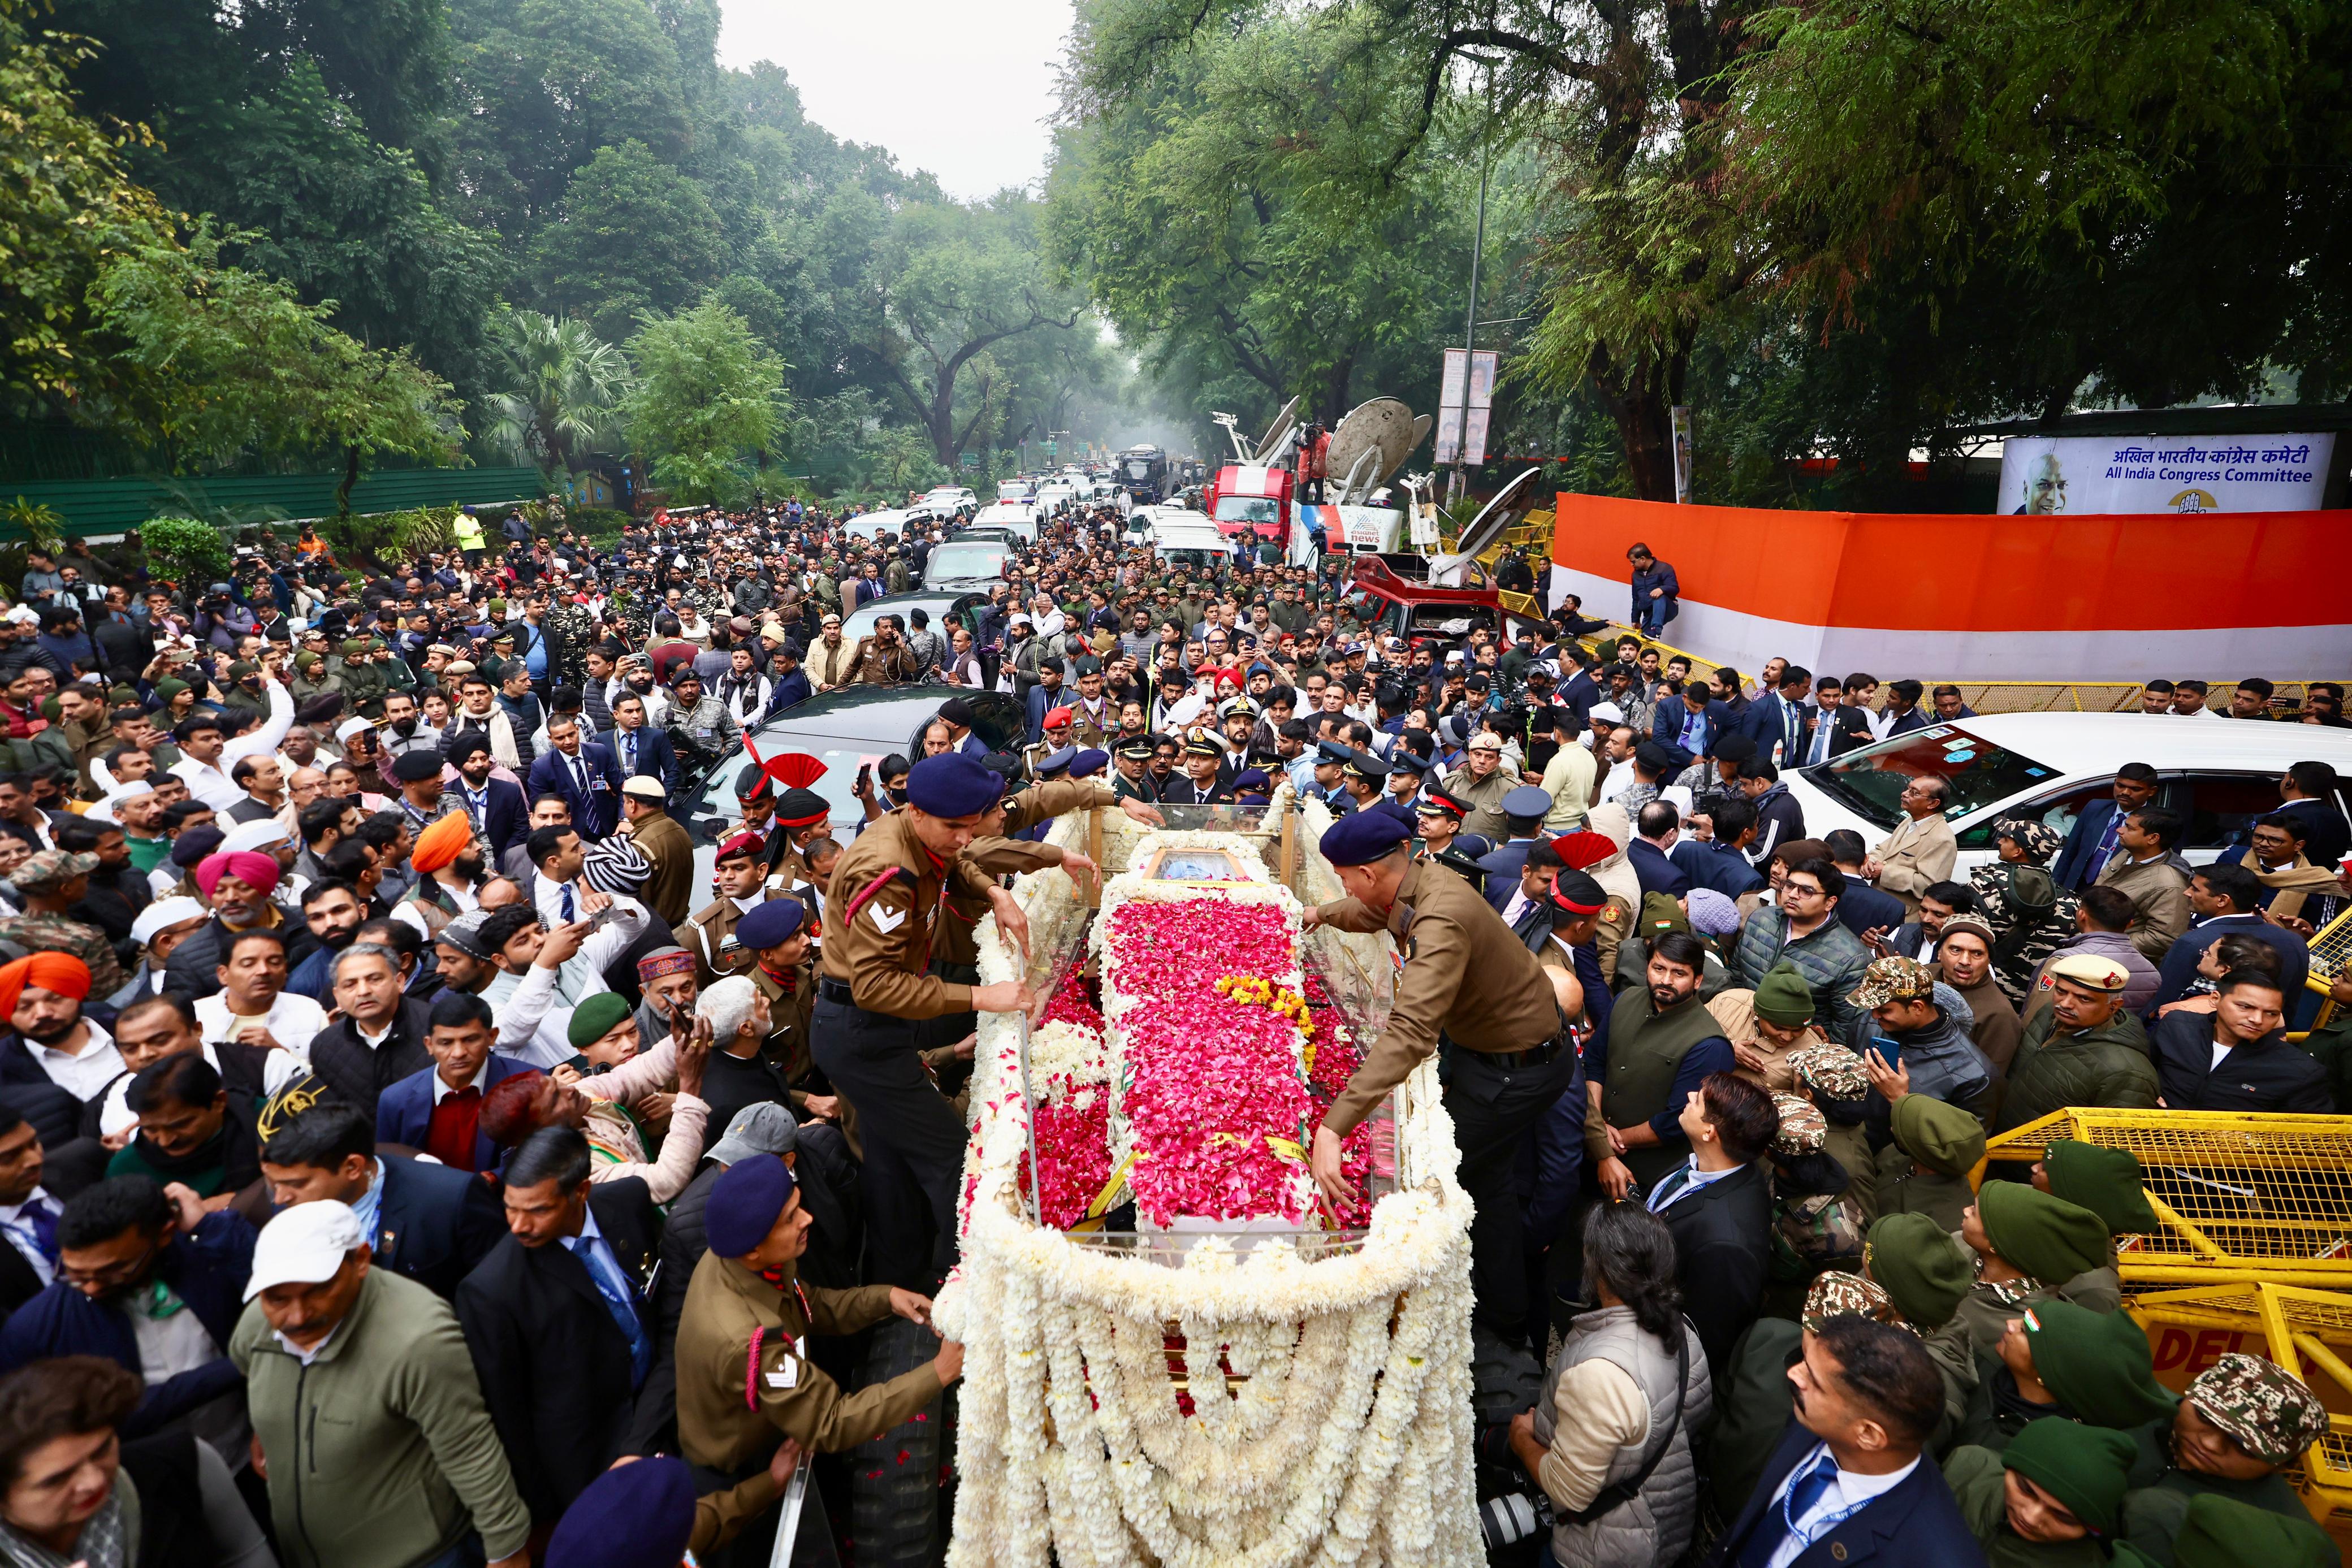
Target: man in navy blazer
{"points": [[2091, 843], [646, 749], [1688, 732], [431, 1224], [404, 1113], [585, 773], [497, 808], [1849, 1484], [1780, 717]]}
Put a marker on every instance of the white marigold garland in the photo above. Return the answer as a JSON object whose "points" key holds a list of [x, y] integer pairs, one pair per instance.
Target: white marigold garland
{"points": [[1347, 1440]]}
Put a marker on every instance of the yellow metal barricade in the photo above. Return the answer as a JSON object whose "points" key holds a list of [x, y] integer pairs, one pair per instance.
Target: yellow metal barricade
{"points": [[2240, 1197], [2310, 1335]]}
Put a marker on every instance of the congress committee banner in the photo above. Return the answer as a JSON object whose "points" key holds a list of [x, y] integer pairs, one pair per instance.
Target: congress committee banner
{"points": [[2048, 474]]}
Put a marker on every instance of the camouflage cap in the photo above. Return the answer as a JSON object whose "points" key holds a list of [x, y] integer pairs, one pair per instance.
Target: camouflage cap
{"points": [[2260, 1407], [2038, 840], [1803, 1129], [47, 870], [1894, 979], [1830, 1070], [1838, 1294]]}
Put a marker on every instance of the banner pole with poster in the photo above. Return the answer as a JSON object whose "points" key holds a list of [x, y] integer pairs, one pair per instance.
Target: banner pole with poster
{"points": [[1682, 429]]}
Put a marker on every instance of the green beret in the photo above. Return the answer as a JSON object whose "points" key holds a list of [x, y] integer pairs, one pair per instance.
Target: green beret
{"points": [[166, 690], [1924, 1271], [2105, 1181], [2219, 1531], [2099, 1363], [594, 1018], [1944, 1138], [52, 709], [1661, 914], [238, 669], [2084, 1468], [1782, 997], [2047, 1237]]}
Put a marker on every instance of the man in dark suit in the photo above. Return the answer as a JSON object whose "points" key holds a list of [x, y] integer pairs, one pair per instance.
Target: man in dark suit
{"points": [[28, 1216], [1863, 908], [1656, 827], [1848, 1485], [1523, 814], [639, 746], [427, 1222], [2092, 842], [2227, 901], [1780, 717], [495, 807], [556, 1318], [585, 774], [1719, 1208], [2310, 790], [1837, 727], [1689, 725]]}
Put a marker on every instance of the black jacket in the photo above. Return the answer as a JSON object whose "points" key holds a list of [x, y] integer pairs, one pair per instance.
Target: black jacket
{"points": [[18, 1283], [358, 1072], [554, 1366], [193, 966], [435, 1224], [1723, 1247], [2268, 1075]]}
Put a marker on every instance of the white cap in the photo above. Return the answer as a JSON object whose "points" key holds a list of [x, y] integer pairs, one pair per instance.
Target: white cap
{"points": [[136, 787], [254, 835], [164, 914], [303, 1245], [645, 787], [351, 726], [1609, 711]]}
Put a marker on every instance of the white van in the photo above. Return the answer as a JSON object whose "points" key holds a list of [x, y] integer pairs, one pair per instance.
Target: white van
{"points": [[1187, 538], [871, 525], [1018, 518]]}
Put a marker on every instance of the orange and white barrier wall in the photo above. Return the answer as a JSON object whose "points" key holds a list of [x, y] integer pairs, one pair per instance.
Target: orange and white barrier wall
{"points": [[2114, 597]]}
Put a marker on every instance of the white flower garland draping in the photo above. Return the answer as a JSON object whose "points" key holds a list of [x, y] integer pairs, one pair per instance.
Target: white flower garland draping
{"points": [[1346, 1437]]}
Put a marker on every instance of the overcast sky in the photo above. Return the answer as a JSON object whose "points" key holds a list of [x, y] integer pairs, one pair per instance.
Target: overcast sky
{"points": [[959, 88]]}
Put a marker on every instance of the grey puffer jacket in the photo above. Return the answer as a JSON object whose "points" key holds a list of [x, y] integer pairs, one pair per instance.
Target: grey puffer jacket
{"points": [[1654, 1527], [1943, 1060]]}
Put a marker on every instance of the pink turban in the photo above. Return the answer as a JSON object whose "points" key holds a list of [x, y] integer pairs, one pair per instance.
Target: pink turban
{"points": [[255, 870]]}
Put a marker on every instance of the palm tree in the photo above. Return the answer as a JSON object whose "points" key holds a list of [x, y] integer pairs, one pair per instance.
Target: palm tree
{"points": [[564, 389]]}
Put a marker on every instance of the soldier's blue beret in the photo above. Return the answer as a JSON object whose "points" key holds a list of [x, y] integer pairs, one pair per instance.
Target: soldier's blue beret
{"points": [[744, 1204], [1056, 763], [637, 1516], [954, 784], [1089, 763], [1526, 800], [767, 924], [1362, 836]]}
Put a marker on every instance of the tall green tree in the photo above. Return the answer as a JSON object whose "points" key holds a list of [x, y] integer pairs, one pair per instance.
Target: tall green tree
{"points": [[213, 362], [561, 388], [68, 205], [708, 399], [634, 235]]}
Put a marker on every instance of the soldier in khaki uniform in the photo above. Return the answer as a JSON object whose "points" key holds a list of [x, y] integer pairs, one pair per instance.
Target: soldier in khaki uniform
{"points": [[801, 818], [1480, 783], [1093, 717], [883, 909], [745, 1382], [1468, 981], [709, 935]]}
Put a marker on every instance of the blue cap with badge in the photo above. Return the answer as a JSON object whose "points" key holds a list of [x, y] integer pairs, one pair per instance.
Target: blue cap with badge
{"points": [[1362, 836], [770, 924], [744, 1205]]}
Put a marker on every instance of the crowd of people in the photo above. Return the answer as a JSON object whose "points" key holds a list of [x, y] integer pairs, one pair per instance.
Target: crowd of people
{"points": [[408, 1158]]}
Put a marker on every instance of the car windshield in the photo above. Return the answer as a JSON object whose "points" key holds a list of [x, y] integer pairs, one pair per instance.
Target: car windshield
{"points": [[975, 561], [1871, 780], [1247, 509]]}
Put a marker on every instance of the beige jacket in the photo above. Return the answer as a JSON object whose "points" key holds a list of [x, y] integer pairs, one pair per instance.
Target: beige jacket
{"points": [[2158, 889], [1919, 853]]}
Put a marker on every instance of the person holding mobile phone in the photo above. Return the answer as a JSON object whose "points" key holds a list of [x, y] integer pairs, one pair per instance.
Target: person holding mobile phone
{"points": [[1920, 1029]]}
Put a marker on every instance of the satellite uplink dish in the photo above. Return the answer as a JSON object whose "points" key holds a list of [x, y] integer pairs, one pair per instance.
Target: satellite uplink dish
{"points": [[1371, 445], [1485, 528]]}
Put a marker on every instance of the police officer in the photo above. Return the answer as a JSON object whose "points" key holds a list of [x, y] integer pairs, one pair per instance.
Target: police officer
{"points": [[745, 1379], [709, 935], [1467, 982], [888, 895]]}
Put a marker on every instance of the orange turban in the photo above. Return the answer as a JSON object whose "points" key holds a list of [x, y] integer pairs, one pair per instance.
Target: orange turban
{"points": [[60, 972], [442, 843]]}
